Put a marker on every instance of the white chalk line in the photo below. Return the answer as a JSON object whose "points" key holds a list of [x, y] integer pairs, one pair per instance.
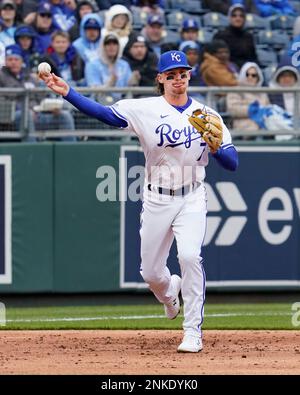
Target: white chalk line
{"points": [[143, 317]]}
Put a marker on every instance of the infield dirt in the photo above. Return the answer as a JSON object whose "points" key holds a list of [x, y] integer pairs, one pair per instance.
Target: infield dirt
{"points": [[148, 352]]}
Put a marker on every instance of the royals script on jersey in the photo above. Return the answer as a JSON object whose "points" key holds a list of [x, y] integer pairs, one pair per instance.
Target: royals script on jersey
{"points": [[175, 153]]}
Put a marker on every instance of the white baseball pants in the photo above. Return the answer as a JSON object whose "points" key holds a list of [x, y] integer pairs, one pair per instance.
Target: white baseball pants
{"points": [[184, 217]]}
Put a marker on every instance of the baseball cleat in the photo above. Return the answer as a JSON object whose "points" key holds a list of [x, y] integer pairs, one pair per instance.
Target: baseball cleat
{"points": [[172, 309], [190, 343]]}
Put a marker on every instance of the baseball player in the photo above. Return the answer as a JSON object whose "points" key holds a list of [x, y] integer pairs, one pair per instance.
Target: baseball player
{"points": [[177, 135]]}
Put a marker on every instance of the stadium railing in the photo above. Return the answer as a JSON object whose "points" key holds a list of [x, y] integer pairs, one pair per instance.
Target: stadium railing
{"points": [[21, 100]]}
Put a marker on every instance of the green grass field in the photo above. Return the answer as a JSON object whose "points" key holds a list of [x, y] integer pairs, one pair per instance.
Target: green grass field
{"points": [[217, 316]]}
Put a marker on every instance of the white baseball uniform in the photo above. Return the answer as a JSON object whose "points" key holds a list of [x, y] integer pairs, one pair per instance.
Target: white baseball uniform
{"points": [[176, 156]]}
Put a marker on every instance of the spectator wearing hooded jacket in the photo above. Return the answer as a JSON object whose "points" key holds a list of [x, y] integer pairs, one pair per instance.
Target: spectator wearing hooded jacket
{"points": [[267, 8], [108, 70], [285, 76], [118, 20], [25, 37], [241, 42], [142, 61], [238, 102], [64, 60], [90, 34], [8, 22], [83, 7]]}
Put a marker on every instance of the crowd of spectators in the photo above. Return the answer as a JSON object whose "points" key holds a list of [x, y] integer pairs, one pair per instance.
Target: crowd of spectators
{"points": [[115, 43]]}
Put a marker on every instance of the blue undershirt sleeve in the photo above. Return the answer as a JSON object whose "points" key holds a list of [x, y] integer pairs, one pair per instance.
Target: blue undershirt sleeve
{"points": [[227, 158], [94, 109]]}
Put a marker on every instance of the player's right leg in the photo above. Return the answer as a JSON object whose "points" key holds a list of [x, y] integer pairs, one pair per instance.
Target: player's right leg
{"points": [[156, 240]]}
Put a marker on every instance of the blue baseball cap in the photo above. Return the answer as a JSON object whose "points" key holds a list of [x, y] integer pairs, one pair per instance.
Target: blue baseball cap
{"points": [[13, 50], [92, 23], [24, 30], [172, 60], [45, 8], [155, 19], [189, 44], [190, 24]]}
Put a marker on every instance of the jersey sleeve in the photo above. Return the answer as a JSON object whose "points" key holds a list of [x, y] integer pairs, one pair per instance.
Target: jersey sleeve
{"points": [[227, 140], [124, 109]]}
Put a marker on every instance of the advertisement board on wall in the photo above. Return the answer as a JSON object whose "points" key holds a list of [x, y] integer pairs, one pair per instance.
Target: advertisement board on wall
{"points": [[253, 231]]}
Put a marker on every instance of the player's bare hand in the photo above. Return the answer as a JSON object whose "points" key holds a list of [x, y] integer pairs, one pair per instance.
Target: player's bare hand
{"points": [[55, 83]]}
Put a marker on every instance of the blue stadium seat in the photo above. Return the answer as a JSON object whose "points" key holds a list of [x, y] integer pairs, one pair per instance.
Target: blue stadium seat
{"points": [[273, 38], [205, 35], [174, 5], [268, 73], [175, 19], [171, 36], [266, 57], [183, 5], [282, 22], [295, 5], [140, 18], [255, 22], [215, 20], [189, 6]]}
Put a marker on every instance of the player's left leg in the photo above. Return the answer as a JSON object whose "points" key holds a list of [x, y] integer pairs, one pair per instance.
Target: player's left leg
{"points": [[189, 229]]}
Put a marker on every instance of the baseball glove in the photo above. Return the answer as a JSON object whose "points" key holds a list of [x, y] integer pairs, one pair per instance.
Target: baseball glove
{"points": [[209, 126]]}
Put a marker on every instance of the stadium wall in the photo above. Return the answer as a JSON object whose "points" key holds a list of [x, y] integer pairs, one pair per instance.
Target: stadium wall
{"points": [[58, 235]]}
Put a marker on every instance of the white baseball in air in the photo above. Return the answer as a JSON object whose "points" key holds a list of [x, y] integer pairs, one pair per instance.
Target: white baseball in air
{"points": [[44, 68]]}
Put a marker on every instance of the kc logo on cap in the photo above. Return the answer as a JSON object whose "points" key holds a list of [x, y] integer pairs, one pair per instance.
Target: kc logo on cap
{"points": [[172, 60], [175, 56]]}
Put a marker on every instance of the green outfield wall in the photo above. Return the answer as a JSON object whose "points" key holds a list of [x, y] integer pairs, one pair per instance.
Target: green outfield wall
{"points": [[62, 238]]}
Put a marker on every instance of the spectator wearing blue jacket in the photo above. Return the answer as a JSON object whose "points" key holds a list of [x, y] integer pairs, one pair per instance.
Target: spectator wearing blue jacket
{"points": [[90, 34], [43, 25], [109, 70], [64, 60], [267, 8], [8, 22], [83, 7], [25, 37]]}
